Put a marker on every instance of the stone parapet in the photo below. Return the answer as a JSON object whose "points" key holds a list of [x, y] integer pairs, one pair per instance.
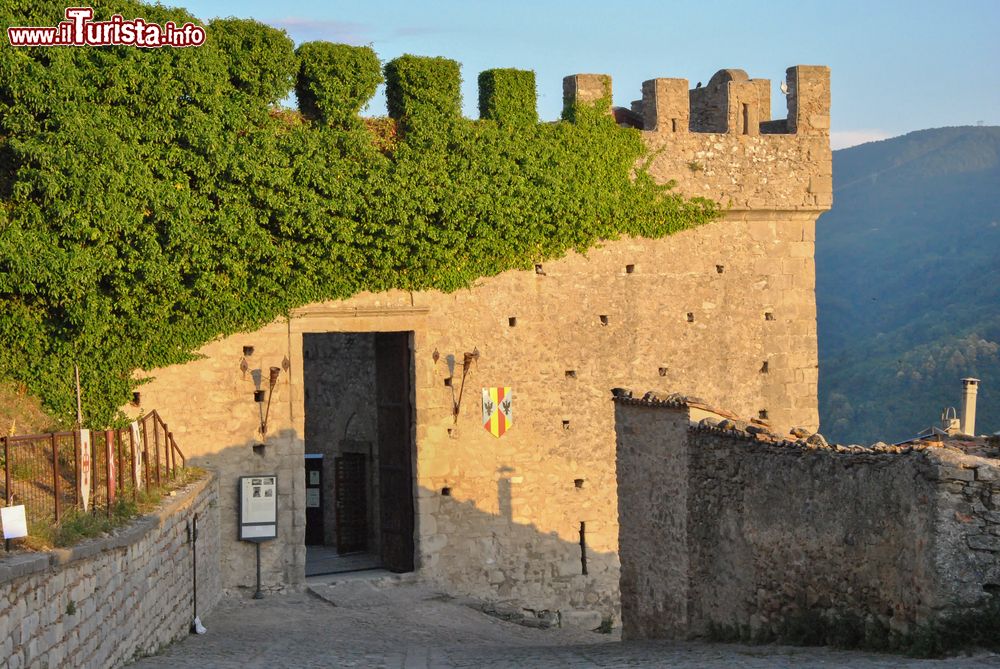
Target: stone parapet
{"points": [[107, 601], [727, 527]]}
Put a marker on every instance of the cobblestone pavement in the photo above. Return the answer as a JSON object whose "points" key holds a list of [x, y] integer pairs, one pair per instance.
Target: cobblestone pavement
{"points": [[386, 624]]}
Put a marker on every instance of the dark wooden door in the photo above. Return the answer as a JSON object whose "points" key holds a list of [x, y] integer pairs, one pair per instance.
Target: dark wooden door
{"points": [[314, 501], [351, 495], [395, 452]]}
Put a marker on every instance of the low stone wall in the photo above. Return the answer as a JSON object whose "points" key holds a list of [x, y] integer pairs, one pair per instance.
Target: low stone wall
{"points": [[109, 600], [721, 528]]}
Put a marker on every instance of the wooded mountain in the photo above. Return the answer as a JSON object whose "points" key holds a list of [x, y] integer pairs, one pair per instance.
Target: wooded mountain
{"points": [[908, 283]]}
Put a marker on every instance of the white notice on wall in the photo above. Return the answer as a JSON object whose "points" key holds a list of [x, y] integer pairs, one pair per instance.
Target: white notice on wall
{"points": [[312, 498], [15, 525], [259, 500]]}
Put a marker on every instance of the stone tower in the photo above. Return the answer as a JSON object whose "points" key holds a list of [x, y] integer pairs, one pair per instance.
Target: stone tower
{"points": [[725, 312]]}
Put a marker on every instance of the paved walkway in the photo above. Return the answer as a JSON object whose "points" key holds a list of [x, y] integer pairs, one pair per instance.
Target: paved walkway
{"points": [[363, 623]]}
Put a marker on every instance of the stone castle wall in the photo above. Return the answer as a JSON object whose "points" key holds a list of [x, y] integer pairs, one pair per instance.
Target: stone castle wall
{"points": [[725, 311], [758, 532], [106, 601]]}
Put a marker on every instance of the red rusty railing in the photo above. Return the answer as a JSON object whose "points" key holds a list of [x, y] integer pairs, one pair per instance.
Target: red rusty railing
{"points": [[47, 472]]}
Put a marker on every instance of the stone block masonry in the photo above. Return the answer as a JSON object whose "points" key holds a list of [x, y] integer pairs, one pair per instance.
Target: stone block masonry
{"points": [[728, 528], [725, 311], [109, 600]]}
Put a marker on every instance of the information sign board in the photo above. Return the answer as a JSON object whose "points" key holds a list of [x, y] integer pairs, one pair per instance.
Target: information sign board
{"points": [[258, 507]]}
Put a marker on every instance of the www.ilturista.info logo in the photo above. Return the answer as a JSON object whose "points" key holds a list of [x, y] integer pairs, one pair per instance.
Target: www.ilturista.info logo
{"points": [[79, 30]]}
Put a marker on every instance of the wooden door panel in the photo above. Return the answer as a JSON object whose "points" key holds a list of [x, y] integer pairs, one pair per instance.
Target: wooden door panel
{"points": [[351, 493], [392, 381]]}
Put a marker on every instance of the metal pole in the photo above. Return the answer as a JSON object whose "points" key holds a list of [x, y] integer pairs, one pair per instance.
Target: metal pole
{"points": [[6, 481], [156, 442], [118, 465], [109, 482], [167, 436], [76, 468], [194, 569], [145, 450], [55, 474], [6, 471], [135, 483], [258, 594]]}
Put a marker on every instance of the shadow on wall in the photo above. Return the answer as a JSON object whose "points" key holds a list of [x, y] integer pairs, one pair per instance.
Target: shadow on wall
{"points": [[460, 547], [503, 557]]}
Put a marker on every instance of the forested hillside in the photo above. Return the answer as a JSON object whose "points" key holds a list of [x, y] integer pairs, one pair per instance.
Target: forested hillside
{"points": [[908, 283]]}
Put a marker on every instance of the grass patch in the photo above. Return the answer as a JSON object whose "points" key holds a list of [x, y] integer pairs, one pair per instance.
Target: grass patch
{"points": [[22, 413], [77, 525]]}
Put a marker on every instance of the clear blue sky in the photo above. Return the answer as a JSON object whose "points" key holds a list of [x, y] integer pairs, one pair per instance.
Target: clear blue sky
{"points": [[897, 65]]}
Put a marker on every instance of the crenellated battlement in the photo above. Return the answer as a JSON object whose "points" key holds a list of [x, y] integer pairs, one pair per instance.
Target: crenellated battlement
{"points": [[732, 103], [716, 141], [719, 141]]}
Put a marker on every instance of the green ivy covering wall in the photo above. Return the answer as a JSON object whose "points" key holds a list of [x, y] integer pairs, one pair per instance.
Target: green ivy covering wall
{"points": [[152, 200]]}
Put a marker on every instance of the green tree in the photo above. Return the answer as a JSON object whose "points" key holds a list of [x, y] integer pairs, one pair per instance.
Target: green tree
{"points": [[152, 200]]}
